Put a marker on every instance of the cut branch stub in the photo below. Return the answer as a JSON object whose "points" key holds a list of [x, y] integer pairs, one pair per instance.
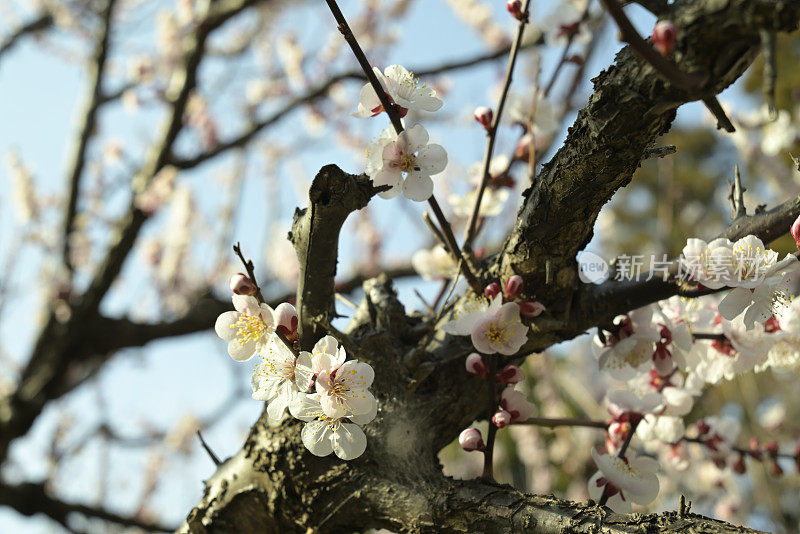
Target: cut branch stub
{"points": [[334, 195]]}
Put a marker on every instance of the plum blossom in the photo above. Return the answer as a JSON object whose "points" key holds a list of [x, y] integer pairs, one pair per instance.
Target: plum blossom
{"points": [[779, 135], [562, 23], [500, 329], [538, 114], [514, 401], [494, 197], [624, 480], [630, 348], [471, 439], [785, 353], [323, 435], [403, 89], [664, 428], [344, 391], [464, 319], [247, 330], [286, 321], [279, 377], [709, 264], [435, 263], [718, 434], [406, 163]]}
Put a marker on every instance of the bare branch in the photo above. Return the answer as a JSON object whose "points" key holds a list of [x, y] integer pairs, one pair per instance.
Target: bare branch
{"points": [[31, 499], [43, 22], [87, 128]]}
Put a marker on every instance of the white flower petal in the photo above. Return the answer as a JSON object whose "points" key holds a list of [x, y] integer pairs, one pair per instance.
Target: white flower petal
{"points": [[735, 302], [349, 441], [316, 437], [432, 159], [418, 186]]}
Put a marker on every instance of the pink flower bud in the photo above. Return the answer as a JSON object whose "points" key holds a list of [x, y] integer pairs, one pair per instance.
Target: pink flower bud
{"points": [[286, 320], [242, 285], [484, 116], [470, 439], [523, 150], [738, 465], [511, 374], [774, 469], [531, 308], [492, 290], [476, 366], [664, 36], [514, 286], [771, 447], [515, 8], [702, 428], [796, 231], [501, 418]]}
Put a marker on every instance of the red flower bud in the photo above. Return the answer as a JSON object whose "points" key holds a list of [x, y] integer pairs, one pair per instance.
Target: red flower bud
{"points": [[514, 287], [738, 465], [664, 36], [471, 440], [796, 231], [492, 290], [515, 8], [484, 116], [242, 285], [476, 366], [286, 321], [511, 374], [755, 449], [702, 427], [771, 447], [531, 308], [501, 418], [774, 469]]}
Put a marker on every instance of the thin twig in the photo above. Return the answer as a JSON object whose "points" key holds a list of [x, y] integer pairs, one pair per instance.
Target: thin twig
{"points": [[665, 67], [723, 122], [739, 190], [488, 451], [394, 117], [208, 450], [491, 133], [87, 129], [659, 151], [549, 422], [770, 72]]}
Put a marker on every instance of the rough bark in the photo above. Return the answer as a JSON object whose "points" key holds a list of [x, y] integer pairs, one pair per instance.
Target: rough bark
{"points": [[275, 485]]}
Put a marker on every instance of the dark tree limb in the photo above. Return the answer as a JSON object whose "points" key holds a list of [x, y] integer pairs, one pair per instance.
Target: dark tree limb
{"points": [[275, 485], [32, 499], [42, 22], [333, 196]]}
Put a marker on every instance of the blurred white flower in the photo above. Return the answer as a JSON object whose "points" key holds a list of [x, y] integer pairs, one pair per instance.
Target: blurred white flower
{"points": [[434, 263]]}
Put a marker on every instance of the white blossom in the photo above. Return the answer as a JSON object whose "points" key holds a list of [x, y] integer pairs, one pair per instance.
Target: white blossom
{"points": [[406, 163], [630, 349], [279, 377], [434, 263], [779, 135], [402, 88], [626, 480], [500, 329], [323, 435], [345, 392], [247, 330]]}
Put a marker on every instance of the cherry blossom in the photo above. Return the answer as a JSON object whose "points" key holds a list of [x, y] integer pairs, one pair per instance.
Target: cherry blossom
{"points": [[247, 330], [434, 264], [345, 392], [500, 329], [624, 480], [403, 89], [407, 163], [323, 435]]}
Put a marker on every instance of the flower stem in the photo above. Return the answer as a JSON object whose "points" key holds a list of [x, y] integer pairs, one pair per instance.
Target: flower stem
{"points": [[491, 134], [554, 422], [488, 451], [394, 116]]}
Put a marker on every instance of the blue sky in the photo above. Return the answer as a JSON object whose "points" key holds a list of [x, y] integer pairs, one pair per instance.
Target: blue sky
{"points": [[39, 91]]}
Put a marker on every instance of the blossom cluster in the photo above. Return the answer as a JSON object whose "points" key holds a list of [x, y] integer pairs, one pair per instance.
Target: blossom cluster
{"points": [[662, 356], [322, 388], [403, 161]]}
